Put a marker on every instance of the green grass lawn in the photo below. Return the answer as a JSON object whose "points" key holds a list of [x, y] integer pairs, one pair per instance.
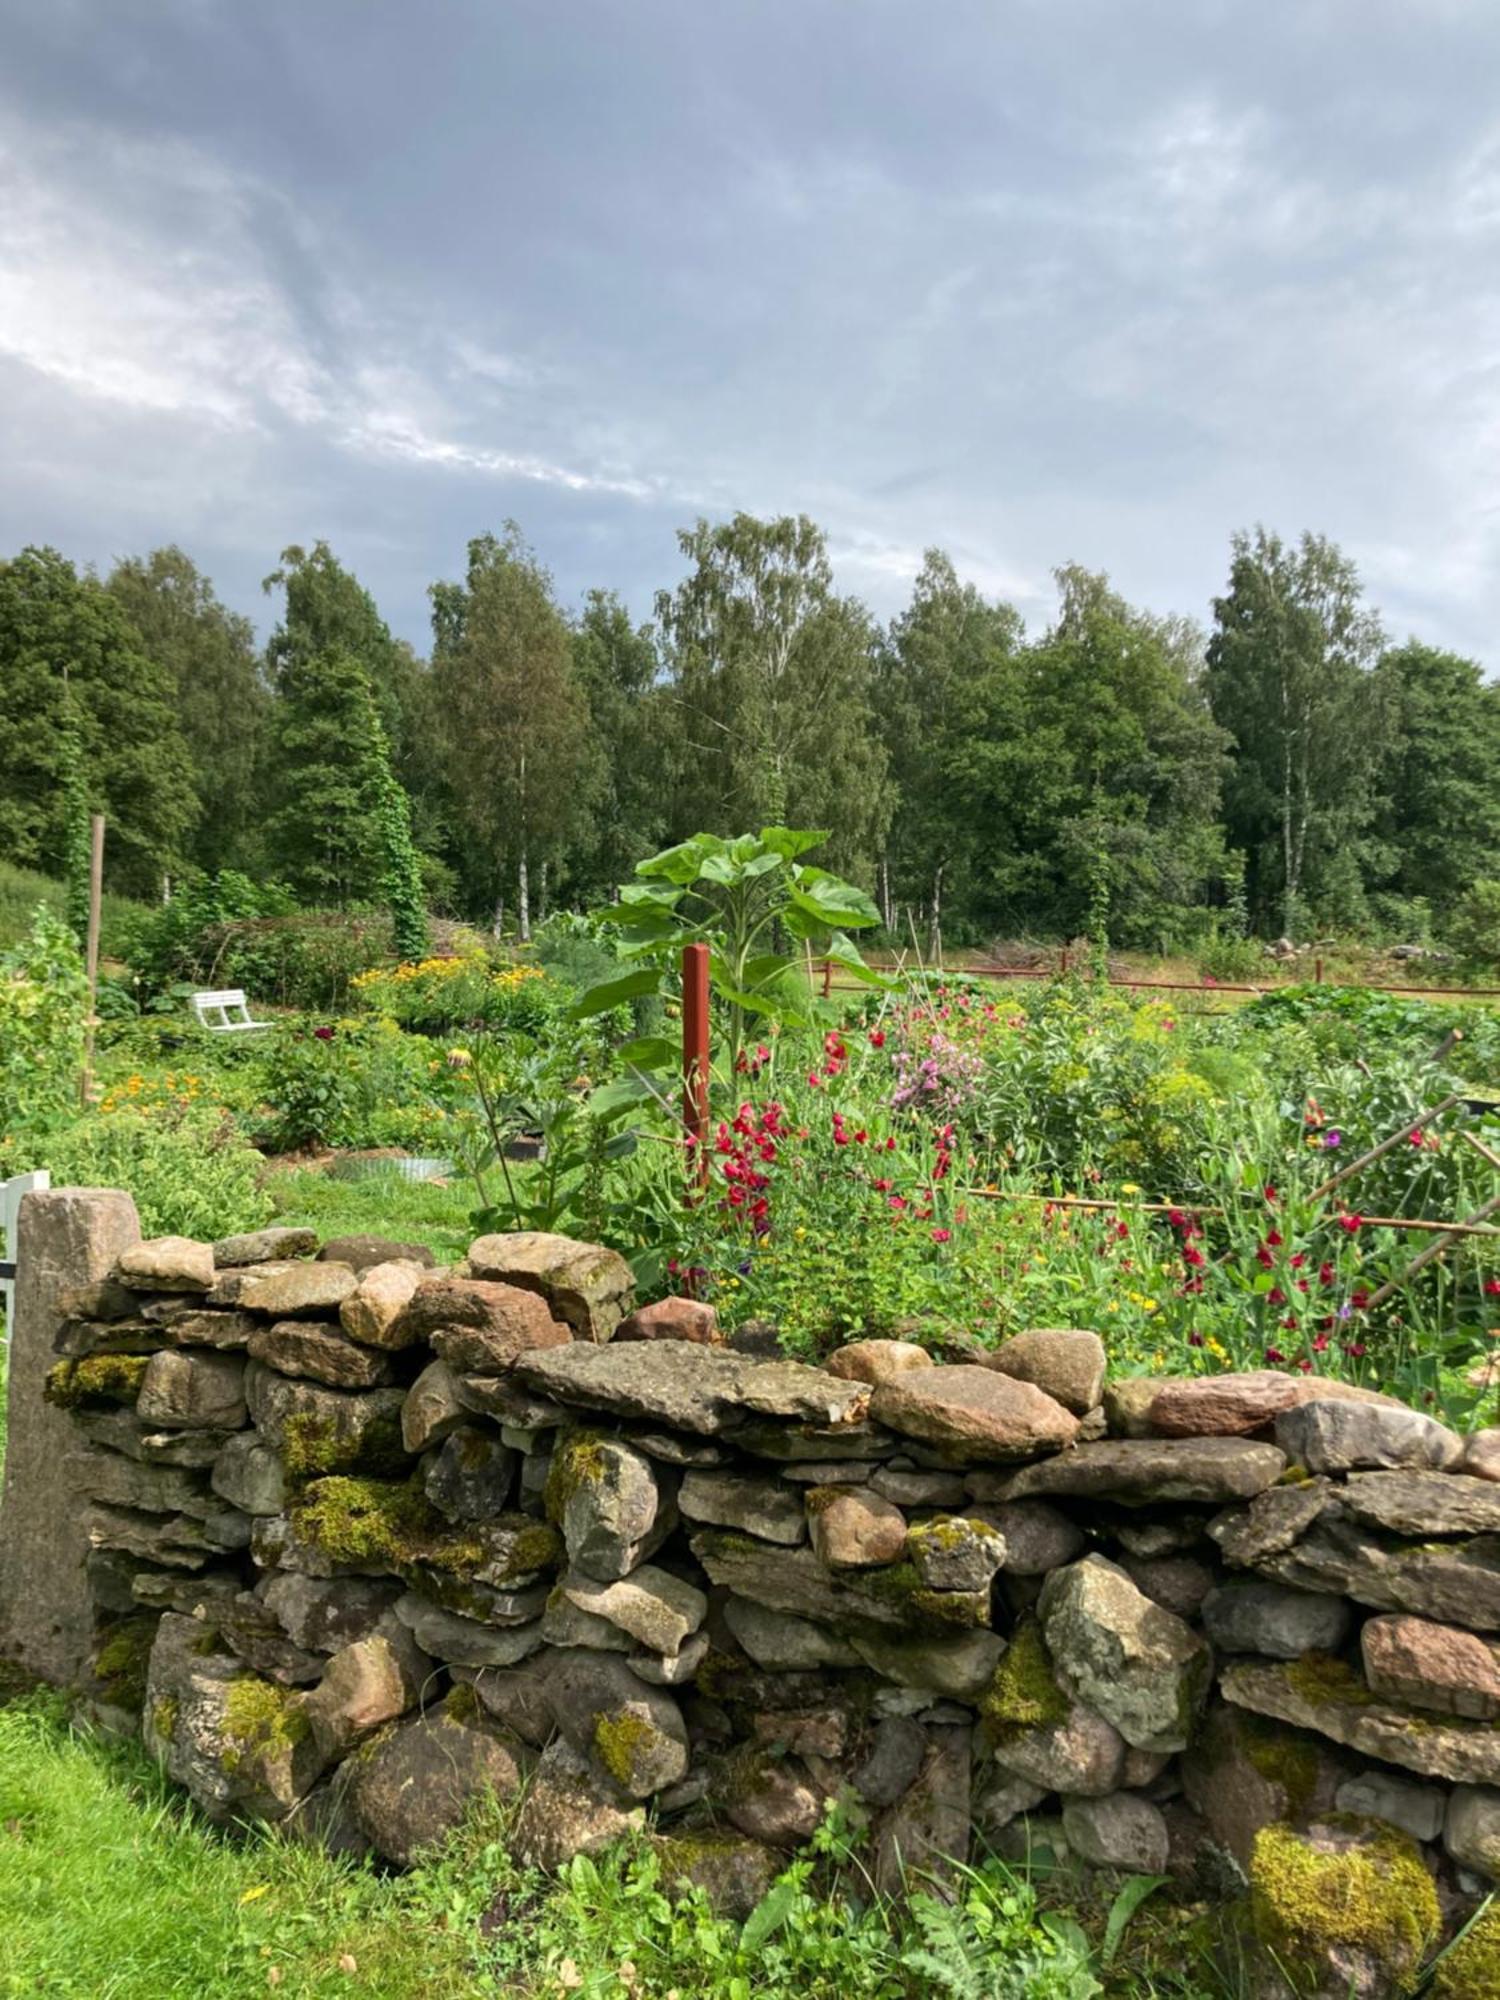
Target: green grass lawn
{"points": [[383, 1205]]}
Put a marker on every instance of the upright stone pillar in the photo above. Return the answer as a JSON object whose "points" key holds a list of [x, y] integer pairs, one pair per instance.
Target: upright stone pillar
{"points": [[64, 1237]]}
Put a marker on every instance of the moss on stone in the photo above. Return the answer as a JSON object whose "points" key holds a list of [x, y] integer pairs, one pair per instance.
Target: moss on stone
{"points": [[313, 1445], [946, 1532], [164, 1717], [1023, 1693], [97, 1378], [1282, 1757], [1375, 1897], [462, 1705], [259, 1717], [577, 1460], [618, 1740], [1323, 1677], [818, 1499], [1470, 1969], [366, 1520], [121, 1661]]}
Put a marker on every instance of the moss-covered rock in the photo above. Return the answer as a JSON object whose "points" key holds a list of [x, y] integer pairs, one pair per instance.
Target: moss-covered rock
{"points": [[97, 1378], [1470, 1969], [1023, 1692], [1347, 1907]]}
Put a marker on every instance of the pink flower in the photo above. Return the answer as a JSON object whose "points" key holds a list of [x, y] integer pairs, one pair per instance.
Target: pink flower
{"points": [[942, 1235]]}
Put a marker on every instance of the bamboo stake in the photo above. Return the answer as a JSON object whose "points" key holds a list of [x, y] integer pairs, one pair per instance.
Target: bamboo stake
{"points": [[1480, 1147], [96, 890], [1433, 1251], [1378, 1152]]}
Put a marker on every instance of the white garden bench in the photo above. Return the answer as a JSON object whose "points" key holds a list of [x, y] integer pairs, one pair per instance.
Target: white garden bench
{"points": [[11, 1192], [232, 1009]]}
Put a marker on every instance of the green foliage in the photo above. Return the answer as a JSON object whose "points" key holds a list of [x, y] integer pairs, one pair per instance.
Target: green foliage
{"points": [[71, 663], [79, 838], [218, 694], [324, 827], [1474, 927], [401, 878], [190, 1169], [349, 1083], [43, 1004], [770, 685], [22, 890]]}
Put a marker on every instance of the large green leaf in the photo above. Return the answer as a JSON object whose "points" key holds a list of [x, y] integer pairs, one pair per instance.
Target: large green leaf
{"points": [[650, 1052], [681, 864], [789, 842], [627, 1093], [615, 992], [840, 902]]}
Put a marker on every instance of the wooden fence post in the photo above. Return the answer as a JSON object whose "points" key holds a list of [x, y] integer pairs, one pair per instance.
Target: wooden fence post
{"points": [[96, 890], [695, 1059]]}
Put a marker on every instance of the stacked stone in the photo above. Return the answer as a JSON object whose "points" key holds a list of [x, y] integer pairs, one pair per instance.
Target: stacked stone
{"points": [[393, 1537]]}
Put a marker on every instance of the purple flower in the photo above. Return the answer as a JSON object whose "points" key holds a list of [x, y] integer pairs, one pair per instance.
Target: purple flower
{"points": [[1333, 1138], [324, 1034]]}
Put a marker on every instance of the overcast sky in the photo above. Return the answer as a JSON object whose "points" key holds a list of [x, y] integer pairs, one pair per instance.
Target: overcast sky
{"points": [[1033, 280]]}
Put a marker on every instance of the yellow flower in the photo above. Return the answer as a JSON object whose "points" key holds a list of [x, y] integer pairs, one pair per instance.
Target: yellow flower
{"points": [[1129, 1187]]}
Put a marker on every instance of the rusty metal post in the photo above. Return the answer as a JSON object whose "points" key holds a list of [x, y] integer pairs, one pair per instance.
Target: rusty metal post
{"points": [[827, 977], [1317, 972], [695, 1059], [1066, 959]]}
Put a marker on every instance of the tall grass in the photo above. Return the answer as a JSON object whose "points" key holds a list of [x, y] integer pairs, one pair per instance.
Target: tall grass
{"points": [[21, 889]]}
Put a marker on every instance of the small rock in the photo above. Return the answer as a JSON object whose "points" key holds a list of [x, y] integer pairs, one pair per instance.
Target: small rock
{"points": [[1037, 1537], [761, 1507], [1152, 1539], [471, 1475], [365, 1685], [264, 1246], [673, 1319], [1142, 1669], [606, 1499], [372, 1312], [308, 1347], [973, 1413], [514, 1696], [1252, 1615], [1231, 1405], [876, 1361], [1416, 1808], [464, 1642], [961, 1666], [916, 1489], [771, 1799], [1002, 1798], [583, 1283], [1272, 1522], [417, 1784], [565, 1624], [1456, 1583], [1432, 1666], [926, 1833], [1080, 1756], [363, 1253], [1178, 1584], [890, 1766], [432, 1410], [166, 1264], [796, 1580], [1144, 1471], [323, 1616], [248, 1474], [1422, 1504], [190, 1390], [631, 1734], [671, 1670], [209, 1326], [288, 1291], [1471, 1831], [853, 1528], [1347, 1437], [317, 1430], [657, 1609], [1066, 1363], [1121, 1830], [1481, 1459], [482, 1328], [780, 1642], [735, 1874], [568, 1810], [1128, 1400], [1244, 1772], [955, 1553]]}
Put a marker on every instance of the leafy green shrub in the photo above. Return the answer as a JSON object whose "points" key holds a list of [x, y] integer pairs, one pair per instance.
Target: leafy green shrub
{"points": [[1474, 927], [22, 889], [350, 1083], [1225, 957], [190, 1169], [43, 1002]]}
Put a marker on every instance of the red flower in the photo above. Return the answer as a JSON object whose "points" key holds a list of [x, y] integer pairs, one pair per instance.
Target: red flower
{"points": [[1192, 1256], [1351, 1224], [1355, 1349], [1276, 1296], [1492, 1288], [1269, 1193], [1195, 1340], [1359, 1300], [1274, 1356], [1265, 1257], [1298, 1261], [1274, 1238], [942, 1235], [1414, 1138], [1325, 1274], [877, 1038]]}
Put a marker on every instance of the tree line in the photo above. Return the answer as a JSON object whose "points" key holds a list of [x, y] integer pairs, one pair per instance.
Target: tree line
{"points": [[1285, 767]]}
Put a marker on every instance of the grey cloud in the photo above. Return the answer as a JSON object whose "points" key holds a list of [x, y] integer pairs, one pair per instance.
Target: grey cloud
{"points": [[1036, 282]]}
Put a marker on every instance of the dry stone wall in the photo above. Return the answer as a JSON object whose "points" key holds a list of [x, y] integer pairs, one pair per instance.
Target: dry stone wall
{"points": [[368, 1537]]}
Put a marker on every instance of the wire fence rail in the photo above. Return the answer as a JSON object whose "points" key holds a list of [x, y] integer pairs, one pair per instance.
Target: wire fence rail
{"points": [[834, 980]]}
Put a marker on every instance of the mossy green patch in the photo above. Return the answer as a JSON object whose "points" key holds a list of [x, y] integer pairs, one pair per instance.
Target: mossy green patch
{"points": [[1374, 1896], [97, 1378], [121, 1661], [577, 1460], [313, 1445], [1283, 1757], [462, 1704], [1023, 1692], [1470, 1970], [619, 1740], [366, 1520], [260, 1717], [164, 1717], [1323, 1677]]}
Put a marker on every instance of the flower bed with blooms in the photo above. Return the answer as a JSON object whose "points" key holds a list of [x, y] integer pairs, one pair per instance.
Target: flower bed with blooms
{"points": [[921, 1172]]}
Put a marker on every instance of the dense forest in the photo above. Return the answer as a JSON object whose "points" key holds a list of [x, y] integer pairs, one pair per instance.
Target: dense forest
{"points": [[1285, 769]]}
